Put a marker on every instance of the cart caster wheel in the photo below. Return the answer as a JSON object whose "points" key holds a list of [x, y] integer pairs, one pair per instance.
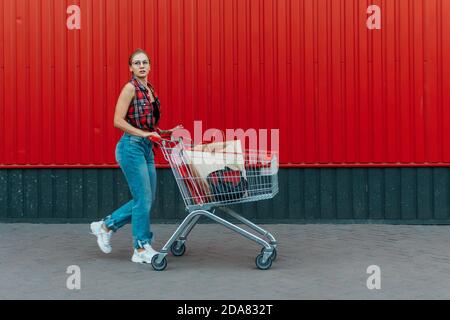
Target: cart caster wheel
{"points": [[176, 250], [274, 253], [263, 266], [159, 266]]}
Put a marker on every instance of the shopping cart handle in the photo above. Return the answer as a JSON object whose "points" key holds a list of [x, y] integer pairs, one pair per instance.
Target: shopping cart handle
{"points": [[155, 139], [160, 140]]}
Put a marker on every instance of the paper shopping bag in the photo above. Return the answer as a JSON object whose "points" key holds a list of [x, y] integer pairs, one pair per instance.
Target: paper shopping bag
{"points": [[208, 158], [197, 187]]}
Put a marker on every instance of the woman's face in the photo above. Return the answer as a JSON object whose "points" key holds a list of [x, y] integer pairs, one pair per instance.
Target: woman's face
{"points": [[140, 65]]}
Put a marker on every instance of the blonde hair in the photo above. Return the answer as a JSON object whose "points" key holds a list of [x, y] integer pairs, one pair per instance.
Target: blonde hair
{"points": [[136, 52]]}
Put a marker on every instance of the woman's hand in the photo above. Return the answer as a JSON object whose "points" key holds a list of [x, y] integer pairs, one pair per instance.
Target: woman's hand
{"points": [[154, 136], [178, 127], [169, 132]]}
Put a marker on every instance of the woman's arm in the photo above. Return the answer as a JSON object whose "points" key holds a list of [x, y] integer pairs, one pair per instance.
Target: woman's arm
{"points": [[170, 131], [122, 105]]}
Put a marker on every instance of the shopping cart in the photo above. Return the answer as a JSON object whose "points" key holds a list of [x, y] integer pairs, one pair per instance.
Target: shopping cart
{"points": [[258, 180]]}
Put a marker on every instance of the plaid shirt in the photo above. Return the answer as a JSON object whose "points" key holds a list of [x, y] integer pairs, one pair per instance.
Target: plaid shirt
{"points": [[141, 113]]}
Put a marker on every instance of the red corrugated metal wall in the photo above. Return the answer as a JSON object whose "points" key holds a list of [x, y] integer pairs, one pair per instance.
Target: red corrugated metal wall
{"points": [[339, 92]]}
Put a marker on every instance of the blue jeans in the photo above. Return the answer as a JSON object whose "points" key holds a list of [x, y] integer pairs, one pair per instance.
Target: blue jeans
{"points": [[135, 157]]}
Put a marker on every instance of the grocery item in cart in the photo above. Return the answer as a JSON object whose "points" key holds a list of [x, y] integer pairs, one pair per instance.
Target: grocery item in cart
{"points": [[227, 184], [196, 185], [207, 158], [218, 160]]}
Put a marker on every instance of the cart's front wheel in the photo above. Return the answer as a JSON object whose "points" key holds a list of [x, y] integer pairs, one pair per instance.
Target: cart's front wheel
{"points": [[159, 266], [178, 249], [274, 253], [263, 265]]}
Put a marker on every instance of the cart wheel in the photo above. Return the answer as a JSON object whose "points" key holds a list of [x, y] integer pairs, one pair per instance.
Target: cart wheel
{"points": [[274, 253], [263, 266], [159, 266], [177, 250]]}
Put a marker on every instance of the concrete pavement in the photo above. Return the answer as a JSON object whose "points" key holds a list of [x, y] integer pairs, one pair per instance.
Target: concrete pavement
{"points": [[314, 262]]}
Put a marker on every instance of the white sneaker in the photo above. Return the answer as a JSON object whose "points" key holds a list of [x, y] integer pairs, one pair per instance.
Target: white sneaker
{"points": [[144, 256], [103, 237]]}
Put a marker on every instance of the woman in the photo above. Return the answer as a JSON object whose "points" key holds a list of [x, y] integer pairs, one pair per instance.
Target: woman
{"points": [[137, 114]]}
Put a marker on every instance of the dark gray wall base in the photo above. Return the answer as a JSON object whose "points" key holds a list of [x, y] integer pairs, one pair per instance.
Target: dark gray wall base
{"points": [[321, 195], [257, 221]]}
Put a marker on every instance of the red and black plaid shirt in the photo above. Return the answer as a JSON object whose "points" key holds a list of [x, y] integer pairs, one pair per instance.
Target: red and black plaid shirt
{"points": [[141, 113]]}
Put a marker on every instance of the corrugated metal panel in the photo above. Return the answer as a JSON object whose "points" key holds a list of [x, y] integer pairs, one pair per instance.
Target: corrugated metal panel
{"points": [[338, 92], [378, 195]]}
